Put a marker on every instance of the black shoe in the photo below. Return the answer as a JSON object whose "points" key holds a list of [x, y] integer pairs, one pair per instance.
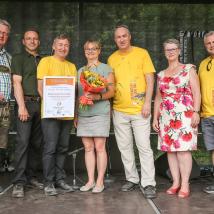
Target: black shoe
{"points": [[18, 191], [61, 184], [149, 192], [50, 190], [128, 186], [1, 189], [34, 182], [209, 189]]}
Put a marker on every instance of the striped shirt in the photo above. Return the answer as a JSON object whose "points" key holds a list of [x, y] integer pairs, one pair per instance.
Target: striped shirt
{"points": [[5, 78]]}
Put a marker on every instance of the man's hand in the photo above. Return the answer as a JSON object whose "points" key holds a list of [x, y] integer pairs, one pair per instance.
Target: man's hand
{"points": [[146, 110], [1, 97], [23, 114]]}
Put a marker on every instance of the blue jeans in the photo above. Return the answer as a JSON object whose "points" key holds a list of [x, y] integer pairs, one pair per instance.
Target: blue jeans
{"points": [[56, 138]]}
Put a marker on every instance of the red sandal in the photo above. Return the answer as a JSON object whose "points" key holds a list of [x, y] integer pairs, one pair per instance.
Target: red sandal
{"points": [[182, 194], [172, 191]]}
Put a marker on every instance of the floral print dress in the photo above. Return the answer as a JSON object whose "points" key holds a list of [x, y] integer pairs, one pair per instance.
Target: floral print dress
{"points": [[176, 110]]}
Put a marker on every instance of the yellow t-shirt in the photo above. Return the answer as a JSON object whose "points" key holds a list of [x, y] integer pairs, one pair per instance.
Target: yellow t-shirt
{"points": [[51, 66], [130, 69], [207, 87]]}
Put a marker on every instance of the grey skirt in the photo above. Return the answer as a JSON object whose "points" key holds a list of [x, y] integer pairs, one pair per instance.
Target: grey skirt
{"points": [[95, 126]]}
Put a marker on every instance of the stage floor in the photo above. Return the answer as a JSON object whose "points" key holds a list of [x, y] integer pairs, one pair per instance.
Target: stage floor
{"points": [[111, 201]]}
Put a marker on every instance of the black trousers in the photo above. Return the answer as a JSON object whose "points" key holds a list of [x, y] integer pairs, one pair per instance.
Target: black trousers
{"points": [[29, 144], [56, 143]]}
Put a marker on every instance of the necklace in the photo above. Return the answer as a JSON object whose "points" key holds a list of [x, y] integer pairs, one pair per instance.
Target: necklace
{"points": [[172, 71], [93, 64]]}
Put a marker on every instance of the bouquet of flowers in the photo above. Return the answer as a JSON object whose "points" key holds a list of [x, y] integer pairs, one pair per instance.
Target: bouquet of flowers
{"points": [[91, 82]]}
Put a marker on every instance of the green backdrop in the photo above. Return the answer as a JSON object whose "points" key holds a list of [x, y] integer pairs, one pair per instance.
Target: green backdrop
{"points": [[150, 25]]}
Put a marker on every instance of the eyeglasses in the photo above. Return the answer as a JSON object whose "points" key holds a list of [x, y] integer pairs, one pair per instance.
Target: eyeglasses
{"points": [[91, 49], [4, 33], [209, 65], [170, 50]]}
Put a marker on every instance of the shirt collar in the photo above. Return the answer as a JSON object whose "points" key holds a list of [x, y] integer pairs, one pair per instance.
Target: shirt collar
{"points": [[30, 55], [2, 51]]}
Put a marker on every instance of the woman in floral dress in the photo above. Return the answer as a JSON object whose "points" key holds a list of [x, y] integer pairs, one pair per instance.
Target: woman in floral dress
{"points": [[176, 116]]}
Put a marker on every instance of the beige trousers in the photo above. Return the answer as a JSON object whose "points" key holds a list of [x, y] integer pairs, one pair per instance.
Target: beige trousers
{"points": [[130, 128]]}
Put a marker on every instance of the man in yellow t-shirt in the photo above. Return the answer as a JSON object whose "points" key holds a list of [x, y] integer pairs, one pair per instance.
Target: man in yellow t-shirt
{"points": [[206, 75], [134, 75], [56, 132]]}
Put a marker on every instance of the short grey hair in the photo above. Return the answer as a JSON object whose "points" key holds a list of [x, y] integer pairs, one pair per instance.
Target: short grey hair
{"points": [[122, 26], [210, 33], [172, 41], [6, 23], [62, 36]]}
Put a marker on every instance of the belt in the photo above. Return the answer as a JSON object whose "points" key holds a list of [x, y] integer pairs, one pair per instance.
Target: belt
{"points": [[32, 98]]}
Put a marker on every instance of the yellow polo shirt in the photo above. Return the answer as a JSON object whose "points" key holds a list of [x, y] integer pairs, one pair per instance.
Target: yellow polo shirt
{"points": [[51, 66], [207, 87], [130, 69]]}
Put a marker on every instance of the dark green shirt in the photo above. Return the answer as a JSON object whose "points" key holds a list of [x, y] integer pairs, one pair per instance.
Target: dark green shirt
{"points": [[25, 65]]}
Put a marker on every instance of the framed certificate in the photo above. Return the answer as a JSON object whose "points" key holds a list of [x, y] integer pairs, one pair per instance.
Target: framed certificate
{"points": [[58, 96]]}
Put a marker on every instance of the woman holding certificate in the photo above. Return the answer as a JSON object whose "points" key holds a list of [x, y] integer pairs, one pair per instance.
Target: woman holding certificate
{"points": [[95, 88]]}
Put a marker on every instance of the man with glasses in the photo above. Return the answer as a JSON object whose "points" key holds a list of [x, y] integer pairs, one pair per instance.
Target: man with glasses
{"points": [[29, 134], [5, 85], [206, 75], [134, 77]]}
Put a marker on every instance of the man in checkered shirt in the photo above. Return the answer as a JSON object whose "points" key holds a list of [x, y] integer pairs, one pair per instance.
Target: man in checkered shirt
{"points": [[5, 84]]}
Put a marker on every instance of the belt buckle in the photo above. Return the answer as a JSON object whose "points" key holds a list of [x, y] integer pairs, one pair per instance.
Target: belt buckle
{"points": [[36, 99]]}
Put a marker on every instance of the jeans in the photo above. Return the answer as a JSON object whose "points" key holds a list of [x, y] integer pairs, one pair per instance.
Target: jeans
{"points": [[125, 126], [207, 125], [56, 138], [29, 143]]}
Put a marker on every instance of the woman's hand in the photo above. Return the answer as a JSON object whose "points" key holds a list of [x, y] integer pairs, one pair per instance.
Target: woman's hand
{"points": [[92, 96], [195, 119], [75, 121], [155, 125]]}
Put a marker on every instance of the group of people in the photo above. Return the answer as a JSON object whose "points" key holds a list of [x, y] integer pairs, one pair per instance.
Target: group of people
{"points": [[129, 76]]}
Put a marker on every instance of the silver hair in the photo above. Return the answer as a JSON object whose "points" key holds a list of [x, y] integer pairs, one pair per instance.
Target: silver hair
{"points": [[210, 33], [6, 23], [172, 41], [122, 26], [62, 36]]}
